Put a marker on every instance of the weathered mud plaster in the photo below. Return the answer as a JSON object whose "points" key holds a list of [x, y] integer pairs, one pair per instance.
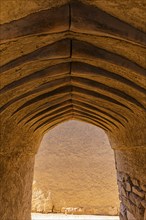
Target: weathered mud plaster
{"points": [[87, 65], [16, 175]]}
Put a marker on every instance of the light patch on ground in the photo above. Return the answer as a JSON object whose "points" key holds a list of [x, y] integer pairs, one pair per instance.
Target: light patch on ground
{"points": [[72, 217]]}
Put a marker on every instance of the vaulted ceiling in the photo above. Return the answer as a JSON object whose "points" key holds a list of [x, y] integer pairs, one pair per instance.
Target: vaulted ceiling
{"points": [[66, 60]]}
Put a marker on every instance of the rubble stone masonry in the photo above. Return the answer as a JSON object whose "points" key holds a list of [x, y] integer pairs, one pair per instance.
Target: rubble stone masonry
{"points": [[132, 196]]}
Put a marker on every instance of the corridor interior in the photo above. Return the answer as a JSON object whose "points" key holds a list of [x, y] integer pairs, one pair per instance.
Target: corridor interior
{"points": [[72, 60]]}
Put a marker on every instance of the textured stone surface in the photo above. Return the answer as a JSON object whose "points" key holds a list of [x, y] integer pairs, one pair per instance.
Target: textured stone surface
{"points": [[130, 216], [132, 198], [143, 187], [88, 65], [70, 171], [143, 202], [135, 182], [138, 192]]}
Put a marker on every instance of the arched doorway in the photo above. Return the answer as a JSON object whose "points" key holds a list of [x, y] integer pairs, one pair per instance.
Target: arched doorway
{"points": [[66, 60], [75, 172]]}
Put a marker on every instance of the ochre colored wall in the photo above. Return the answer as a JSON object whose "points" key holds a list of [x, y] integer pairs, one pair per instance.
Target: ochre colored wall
{"points": [[75, 167], [72, 59]]}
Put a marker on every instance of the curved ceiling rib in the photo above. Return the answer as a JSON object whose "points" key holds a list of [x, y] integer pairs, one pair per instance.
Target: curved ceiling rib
{"points": [[68, 75], [78, 69], [76, 17], [104, 55], [58, 108], [102, 114], [75, 49]]}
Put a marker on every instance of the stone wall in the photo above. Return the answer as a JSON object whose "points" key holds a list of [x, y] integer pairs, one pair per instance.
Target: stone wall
{"points": [[58, 64], [132, 196]]}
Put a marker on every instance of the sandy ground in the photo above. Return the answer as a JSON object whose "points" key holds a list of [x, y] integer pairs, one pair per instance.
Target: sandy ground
{"points": [[62, 217]]}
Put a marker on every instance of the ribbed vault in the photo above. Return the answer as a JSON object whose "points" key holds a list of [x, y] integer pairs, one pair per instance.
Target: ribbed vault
{"points": [[75, 61], [63, 60]]}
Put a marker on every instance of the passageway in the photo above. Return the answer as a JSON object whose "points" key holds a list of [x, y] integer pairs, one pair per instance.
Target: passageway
{"points": [[63, 60]]}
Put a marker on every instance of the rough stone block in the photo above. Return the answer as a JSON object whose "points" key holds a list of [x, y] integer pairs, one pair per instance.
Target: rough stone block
{"points": [[143, 202], [123, 191], [126, 177], [123, 209], [140, 213], [143, 187], [132, 208], [123, 212], [128, 186], [138, 192], [135, 182], [130, 216], [123, 217], [135, 199], [120, 176], [123, 177]]}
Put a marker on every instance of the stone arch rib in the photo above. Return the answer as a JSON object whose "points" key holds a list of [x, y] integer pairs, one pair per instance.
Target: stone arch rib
{"points": [[68, 76]]}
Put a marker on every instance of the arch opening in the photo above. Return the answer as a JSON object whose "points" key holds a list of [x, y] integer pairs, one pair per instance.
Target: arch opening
{"points": [[66, 60], [75, 172]]}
